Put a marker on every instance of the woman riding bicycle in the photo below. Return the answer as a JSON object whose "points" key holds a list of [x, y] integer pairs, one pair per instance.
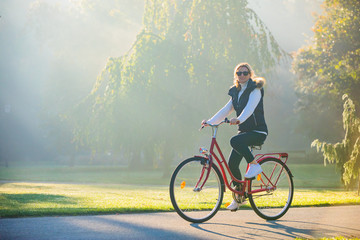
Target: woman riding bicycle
{"points": [[247, 101]]}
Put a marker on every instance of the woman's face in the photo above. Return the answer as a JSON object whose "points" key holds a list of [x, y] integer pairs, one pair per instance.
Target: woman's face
{"points": [[242, 78]]}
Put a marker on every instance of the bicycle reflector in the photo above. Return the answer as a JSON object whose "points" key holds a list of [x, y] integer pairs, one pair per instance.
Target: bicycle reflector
{"points": [[258, 177], [203, 150], [183, 184]]}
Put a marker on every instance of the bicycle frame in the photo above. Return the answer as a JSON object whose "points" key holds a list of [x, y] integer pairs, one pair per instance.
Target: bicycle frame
{"points": [[224, 167]]}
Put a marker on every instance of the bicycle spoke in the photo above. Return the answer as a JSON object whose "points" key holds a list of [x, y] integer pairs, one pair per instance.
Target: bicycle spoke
{"points": [[191, 204], [275, 190]]}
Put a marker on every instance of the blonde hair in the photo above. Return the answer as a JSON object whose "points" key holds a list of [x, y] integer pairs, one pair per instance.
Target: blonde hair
{"points": [[251, 71]]}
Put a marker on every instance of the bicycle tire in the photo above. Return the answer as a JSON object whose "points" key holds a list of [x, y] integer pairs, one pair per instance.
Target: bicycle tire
{"points": [[196, 206], [272, 204]]}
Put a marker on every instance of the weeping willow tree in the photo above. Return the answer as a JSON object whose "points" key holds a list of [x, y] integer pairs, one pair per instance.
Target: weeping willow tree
{"points": [[345, 154], [149, 101]]}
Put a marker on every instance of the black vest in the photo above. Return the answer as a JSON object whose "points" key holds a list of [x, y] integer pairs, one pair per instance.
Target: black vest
{"points": [[257, 120]]}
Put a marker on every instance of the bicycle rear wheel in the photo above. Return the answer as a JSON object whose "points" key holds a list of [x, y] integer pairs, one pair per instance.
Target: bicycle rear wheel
{"points": [[276, 180], [192, 204]]}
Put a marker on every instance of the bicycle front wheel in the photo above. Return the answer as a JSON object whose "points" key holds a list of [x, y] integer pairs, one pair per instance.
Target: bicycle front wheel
{"points": [[196, 205], [272, 191]]}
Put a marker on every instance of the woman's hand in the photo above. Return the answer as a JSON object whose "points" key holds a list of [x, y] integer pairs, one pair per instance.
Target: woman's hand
{"points": [[203, 123], [234, 121]]}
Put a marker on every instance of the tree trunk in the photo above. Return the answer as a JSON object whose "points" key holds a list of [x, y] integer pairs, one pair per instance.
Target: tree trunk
{"points": [[135, 162], [358, 190], [168, 156]]}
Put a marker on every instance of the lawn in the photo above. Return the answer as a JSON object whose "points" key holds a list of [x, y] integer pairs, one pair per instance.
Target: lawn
{"points": [[333, 238], [23, 199], [82, 174], [305, 175], [46, 199], [49, 191]]}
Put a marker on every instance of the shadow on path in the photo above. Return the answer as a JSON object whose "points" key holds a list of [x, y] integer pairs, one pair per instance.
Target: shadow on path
{"points": [[94, 227], [255, 231], [278, 229]]}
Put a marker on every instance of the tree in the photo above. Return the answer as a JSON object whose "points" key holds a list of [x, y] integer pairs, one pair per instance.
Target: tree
{"points": [[329, 68], [346, 154], [184, 54]]}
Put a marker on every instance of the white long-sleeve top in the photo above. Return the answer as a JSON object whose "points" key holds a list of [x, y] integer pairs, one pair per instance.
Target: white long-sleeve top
{"points": [[254, 99]]}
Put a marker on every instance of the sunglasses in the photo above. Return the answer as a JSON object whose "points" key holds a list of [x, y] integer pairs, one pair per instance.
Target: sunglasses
{"points": [[245, 73]]}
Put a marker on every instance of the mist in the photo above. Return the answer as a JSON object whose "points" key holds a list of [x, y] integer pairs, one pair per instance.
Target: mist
{"points": [[53, 51]]}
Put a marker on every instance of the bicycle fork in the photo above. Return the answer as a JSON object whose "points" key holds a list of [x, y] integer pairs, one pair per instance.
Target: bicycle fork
{"points": [[205, 171]]}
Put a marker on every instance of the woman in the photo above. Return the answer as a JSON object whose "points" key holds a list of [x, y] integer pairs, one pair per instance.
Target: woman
{"points": [[247, 101]]}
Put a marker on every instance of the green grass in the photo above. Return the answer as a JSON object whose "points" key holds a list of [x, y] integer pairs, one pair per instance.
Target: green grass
{"points": [[82, 174], [315, 176], [333, 238], [43, 199], [316, 198], [305, 175], [45, 190], [25, 199], [322, 197]]}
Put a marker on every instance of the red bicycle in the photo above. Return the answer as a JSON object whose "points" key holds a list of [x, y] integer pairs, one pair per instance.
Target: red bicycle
{"points": [[197, 185]]}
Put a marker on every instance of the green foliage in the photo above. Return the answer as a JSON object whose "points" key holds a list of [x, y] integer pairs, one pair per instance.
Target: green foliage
{"points": [[147, 99], [346, 153], [330, 66]]}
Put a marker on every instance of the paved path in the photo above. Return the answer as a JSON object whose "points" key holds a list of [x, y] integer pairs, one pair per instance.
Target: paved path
{"points": [[244, 224]]}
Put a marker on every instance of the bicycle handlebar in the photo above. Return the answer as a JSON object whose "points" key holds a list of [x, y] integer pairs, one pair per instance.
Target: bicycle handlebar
{"points": [[215, 125]]}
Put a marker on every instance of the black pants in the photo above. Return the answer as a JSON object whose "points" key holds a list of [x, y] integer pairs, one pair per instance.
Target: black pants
{"points": [[240, 144]]}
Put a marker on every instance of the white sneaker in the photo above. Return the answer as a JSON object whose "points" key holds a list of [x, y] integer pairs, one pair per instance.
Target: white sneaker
{"points": [[233, 206], [254, 170]]}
